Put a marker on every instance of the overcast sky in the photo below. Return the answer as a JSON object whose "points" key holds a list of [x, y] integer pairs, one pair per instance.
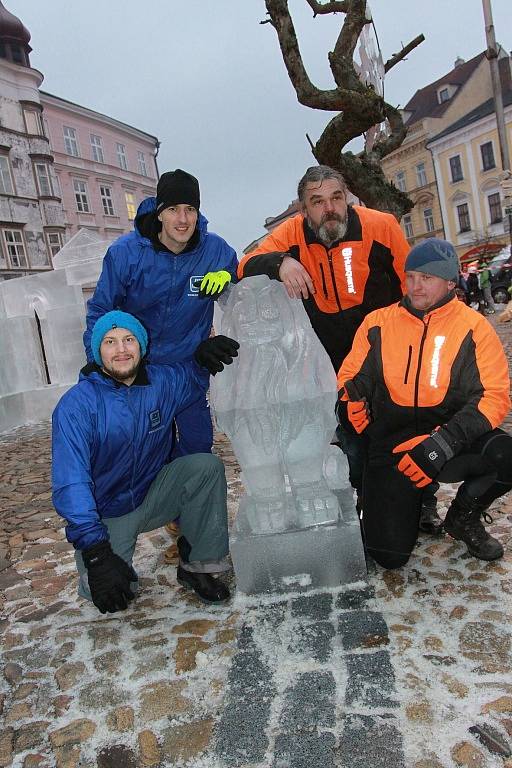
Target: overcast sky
{"points": [[208, 80]]}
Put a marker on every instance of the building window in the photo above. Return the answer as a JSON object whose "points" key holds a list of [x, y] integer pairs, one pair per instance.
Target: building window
{"points": [[444, 95], [107, 201], [15, 247], [487, 153], [6, 185], [141, 161], [421, 175], [463, 215], [130, 205], [407, 220], [70, 142], [495, 209], [82, 201], [121, 156], [456, 168], [428, 217], [400, 181], [44, 180], [97, 148], [34, 122], [17, 54], [54, 240]]}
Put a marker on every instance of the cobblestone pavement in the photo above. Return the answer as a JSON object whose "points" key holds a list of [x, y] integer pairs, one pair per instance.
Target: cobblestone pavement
{"points": [[412, 670]]}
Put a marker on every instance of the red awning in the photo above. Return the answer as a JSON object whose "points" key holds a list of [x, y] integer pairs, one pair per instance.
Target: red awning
{"points": [[481, 250]]}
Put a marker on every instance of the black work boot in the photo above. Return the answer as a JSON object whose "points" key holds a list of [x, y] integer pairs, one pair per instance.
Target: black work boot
{"points": [[430, 522], [463, 522], [206, 587]]}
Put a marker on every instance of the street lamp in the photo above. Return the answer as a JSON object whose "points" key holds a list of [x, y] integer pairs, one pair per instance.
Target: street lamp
{"points": [[492, 56]]}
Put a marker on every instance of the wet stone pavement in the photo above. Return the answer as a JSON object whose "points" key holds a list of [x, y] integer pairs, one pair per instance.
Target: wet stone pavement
{"points": [[409, 670]]}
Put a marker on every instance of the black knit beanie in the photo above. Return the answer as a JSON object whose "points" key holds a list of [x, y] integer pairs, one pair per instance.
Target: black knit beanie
{"points": [[177, 188]]}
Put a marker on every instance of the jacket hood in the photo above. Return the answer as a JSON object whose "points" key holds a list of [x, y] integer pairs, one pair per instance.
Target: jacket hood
{"points": [[148, 226]]}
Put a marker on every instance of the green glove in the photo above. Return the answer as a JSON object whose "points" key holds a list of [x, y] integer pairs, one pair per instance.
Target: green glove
{"points": [[213, 283]]}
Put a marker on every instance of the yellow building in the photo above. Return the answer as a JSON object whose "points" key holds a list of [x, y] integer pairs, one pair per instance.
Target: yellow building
{"points": [[467, 162], [431, 111]]}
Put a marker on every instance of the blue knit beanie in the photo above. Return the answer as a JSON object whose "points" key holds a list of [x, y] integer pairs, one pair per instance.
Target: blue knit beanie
{"points": [[117, 319], [434, 257]]}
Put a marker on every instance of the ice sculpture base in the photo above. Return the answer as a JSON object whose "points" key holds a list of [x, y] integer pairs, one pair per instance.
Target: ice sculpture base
{"points": [[299, 560]]}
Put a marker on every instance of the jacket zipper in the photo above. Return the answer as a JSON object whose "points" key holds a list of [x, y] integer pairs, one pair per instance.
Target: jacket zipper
{"points": [[324, 283], [408, 365], [132, 482], [329, 256], [418, 371]]}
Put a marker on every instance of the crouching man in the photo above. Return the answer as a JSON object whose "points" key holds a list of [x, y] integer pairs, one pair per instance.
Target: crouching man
{"points": [[427, 381], [112, 434]]}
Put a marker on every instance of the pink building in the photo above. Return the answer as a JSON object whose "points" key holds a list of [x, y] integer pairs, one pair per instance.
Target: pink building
{"points": [[62, 166], [103, 167]]}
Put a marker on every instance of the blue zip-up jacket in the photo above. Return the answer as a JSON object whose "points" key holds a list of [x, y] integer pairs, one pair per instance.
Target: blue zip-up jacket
{"points": [[160, 288], [109, 441]]}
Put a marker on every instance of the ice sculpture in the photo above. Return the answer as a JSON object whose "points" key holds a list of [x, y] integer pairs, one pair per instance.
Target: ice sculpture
{"points": [[42, 318], [276, 405]]}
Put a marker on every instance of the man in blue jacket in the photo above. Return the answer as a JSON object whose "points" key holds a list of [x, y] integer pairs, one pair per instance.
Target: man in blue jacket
{"points": [[111, 441], [167, 272]]}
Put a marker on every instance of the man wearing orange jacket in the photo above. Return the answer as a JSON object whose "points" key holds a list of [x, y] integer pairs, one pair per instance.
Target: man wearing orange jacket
{"points": [[427, 381], [343, 261]]}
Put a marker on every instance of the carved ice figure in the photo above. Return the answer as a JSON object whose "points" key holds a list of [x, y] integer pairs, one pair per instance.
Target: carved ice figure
{"points": [[276, 404]]}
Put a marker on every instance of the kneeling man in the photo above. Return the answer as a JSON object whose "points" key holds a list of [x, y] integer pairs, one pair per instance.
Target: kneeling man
{"points": [[427, 381], [112, 434]]}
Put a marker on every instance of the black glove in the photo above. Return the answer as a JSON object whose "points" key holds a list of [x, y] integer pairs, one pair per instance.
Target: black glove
{"points": [[212, 353], [425, 456], [109, 578]]}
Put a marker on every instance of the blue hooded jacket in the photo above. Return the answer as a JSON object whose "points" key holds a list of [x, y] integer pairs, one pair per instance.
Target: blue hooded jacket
{"points": [[160, 288], [109, 441]]}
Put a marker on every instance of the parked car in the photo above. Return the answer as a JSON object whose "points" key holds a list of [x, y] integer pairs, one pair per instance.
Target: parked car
{"points": [[501, 275]]}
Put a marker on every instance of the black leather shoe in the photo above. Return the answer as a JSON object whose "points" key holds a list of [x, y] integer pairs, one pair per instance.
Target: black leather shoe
{"points": [[210, 590]]}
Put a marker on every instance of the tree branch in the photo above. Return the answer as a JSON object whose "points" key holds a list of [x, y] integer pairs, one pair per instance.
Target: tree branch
{"points": [[307, 93], [397, 135], [334, 6], [396, 57], [341, 58]]}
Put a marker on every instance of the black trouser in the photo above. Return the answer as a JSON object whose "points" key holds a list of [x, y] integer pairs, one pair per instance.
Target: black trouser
{"points": [[391, 503], [354, 448]]}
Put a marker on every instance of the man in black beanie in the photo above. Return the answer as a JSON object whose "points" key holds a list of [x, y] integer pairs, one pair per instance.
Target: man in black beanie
{"points": [[167, 273]]}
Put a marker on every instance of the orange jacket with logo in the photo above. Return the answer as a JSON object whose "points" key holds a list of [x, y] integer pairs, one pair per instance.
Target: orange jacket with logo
{"points": [[447, 368], [361, 272]]}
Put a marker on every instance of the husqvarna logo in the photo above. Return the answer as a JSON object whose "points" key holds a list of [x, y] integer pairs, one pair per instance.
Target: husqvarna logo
{"points": [[432, 455], [347, 261], [195, 284]]}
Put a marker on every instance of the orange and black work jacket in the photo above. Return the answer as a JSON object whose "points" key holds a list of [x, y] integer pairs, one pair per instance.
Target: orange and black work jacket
{"points": [[423, 370], [361, 272]]}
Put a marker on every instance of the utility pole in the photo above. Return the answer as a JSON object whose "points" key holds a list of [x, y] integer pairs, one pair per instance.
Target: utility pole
{"points": [[492, 55]]}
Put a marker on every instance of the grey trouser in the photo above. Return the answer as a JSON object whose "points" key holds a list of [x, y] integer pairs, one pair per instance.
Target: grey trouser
{"points": [[192, 488], [488, 296]]}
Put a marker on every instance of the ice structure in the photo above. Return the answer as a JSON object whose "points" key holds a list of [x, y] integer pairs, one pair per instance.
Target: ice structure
{"points": [[42, 318], [296, 526]]}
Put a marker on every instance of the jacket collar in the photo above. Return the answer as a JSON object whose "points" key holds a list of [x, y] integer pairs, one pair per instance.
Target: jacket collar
{"points": [[141, 379], [421, 314], [353, 231]]}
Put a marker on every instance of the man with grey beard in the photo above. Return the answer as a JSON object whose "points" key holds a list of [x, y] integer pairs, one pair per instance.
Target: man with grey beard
{"points": [[343, 261]]}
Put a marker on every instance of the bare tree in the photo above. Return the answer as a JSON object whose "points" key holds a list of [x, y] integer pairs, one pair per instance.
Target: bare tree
{"points": [[359, 105]]}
